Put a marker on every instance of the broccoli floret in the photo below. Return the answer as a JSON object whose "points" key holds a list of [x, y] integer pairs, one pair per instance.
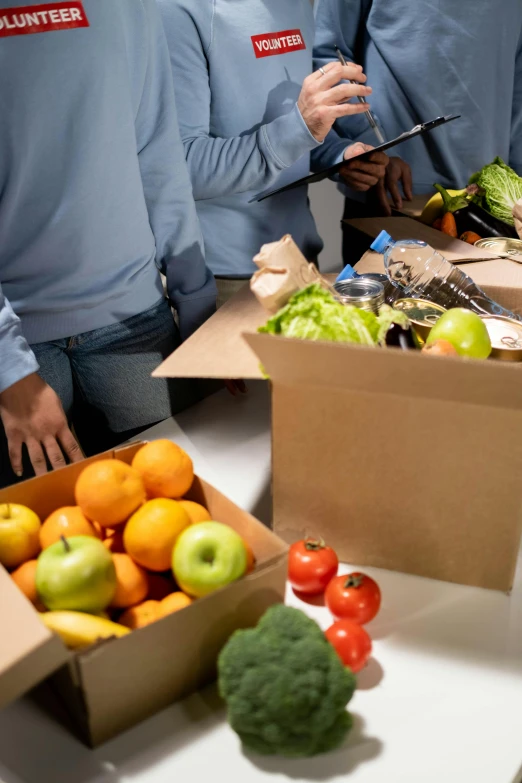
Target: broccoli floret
{"points": [[285, 687]]}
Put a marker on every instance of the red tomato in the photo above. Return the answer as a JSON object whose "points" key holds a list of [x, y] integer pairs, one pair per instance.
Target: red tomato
{"points": [[351, 642], [311, 565], [353, 597]]}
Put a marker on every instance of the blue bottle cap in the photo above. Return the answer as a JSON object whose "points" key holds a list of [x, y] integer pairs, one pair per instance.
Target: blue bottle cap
{"points": [[347, 274], [379, 243]]}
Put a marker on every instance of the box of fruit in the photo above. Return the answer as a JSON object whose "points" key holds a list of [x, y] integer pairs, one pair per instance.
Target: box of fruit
{"points": [[121, 578]]}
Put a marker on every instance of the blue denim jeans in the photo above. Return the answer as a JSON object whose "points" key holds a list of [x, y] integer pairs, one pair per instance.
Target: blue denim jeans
{"points": [[103, 379]]}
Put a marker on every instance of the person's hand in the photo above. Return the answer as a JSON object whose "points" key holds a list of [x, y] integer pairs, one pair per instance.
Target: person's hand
{"points": [[32, 414], [323, 99], [236, 386], [397, 172], [363, 174]]}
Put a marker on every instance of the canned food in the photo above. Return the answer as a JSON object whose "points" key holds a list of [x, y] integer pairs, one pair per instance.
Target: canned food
{"points": [[511, 247], [506, 338], [361, 292], [422, 314]]}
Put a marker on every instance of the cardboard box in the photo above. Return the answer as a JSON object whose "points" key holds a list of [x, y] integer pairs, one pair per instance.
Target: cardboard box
{"points": [[113, 685], [399, 460]]}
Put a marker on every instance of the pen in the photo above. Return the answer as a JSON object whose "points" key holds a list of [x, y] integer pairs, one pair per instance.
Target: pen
{"points": [[369, 115]]}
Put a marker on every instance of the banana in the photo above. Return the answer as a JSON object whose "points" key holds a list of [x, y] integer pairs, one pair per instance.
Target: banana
{"points": [[433, 208], [78, 629]]}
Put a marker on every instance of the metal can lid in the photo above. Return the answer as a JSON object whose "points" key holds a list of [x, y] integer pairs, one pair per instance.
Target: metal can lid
{"points": [[359, 288], [507, 245], [504, 333], [420, 311]]}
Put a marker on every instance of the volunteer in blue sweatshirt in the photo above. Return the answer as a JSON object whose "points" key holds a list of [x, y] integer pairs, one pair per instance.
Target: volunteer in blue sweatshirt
{"points": [[95, 199], [428, 59], [250, 112]]}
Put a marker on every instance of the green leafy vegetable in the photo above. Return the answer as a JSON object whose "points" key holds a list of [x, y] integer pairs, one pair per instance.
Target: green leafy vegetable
{"points": [[313, 314], [285, 687], [500, 188]]}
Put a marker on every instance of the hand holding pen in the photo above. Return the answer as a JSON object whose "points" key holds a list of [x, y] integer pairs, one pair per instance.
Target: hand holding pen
{"points": [[325, 94], [369, 115]]}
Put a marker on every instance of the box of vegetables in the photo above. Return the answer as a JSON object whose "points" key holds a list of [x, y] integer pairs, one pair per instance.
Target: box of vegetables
{"points": [[400, 459]]}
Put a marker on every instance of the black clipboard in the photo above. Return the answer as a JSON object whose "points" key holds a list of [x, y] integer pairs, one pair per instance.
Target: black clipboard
{"points": [[424, 127]]}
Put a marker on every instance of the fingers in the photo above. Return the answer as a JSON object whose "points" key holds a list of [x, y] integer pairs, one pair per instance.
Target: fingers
{"points": [[345, 109], [359, 180], [236, 386], [407, 183], [36, 456], [15, 454], [371, 169], [70, 445], [382, 197], [344, 92], [356, 149], [54, 453], [391, 184], [380, 158], [335, 73]]}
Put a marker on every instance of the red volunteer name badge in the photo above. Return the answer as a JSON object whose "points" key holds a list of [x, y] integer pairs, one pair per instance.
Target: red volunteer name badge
{"points": [[45, 18], [269, 44]]}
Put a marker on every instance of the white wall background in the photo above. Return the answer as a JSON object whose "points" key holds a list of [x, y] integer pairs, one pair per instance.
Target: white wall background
{"points": [[327, 207]]}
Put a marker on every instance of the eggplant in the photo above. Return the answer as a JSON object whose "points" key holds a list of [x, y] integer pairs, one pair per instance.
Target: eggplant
{"points": [[474, 218], [399, 336]]}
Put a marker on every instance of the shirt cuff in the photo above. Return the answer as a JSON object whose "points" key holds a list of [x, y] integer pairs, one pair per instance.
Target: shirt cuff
{"points": [[288, 138]]}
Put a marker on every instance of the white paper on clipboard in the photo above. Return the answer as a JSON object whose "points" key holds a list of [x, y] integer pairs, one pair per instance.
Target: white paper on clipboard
{"points": [[319, 176]]}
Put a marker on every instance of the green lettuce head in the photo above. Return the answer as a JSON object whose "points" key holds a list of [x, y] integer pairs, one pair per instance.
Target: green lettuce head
{"points": [[501, 188], [314, 314]]}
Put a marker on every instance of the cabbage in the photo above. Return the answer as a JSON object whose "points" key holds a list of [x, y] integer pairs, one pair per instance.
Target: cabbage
{"points": [[313, 314], [501, 188]]}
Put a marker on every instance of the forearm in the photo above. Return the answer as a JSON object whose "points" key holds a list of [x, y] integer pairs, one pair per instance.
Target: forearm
{"points": [[18, 361], [222, 167]]}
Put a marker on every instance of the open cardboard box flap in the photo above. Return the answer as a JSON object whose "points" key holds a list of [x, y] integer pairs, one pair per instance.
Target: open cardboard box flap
{"points": [[217, 349], [29, 652]]}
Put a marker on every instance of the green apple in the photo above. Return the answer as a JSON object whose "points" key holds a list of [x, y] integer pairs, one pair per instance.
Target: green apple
{"points": [[76, 573], [466, 332], [208, 556]]}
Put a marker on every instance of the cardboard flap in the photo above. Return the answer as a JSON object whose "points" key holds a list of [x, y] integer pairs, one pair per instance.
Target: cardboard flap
{"points": [[29, 652], [217, 349], [389, 371]]}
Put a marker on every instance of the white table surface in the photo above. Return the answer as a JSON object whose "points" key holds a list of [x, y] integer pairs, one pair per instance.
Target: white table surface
{"points": [[439, 702]]}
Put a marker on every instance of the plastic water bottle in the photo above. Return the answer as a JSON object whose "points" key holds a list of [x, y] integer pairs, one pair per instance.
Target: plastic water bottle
{"points": [[422, 273]]}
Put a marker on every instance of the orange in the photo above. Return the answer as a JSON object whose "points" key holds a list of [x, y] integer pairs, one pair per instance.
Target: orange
{"points": [[131, 582], [166, 470], [159, 586], [150, 533], [25, 578], [173, 603], [251, 558], [114, 540], [141, 615], [66, 521], [196, 512], [109, 491], [19, 534]]}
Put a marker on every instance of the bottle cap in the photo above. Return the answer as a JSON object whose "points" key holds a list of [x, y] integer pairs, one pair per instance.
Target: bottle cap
{"points": [[347, 274], [379, 243]]}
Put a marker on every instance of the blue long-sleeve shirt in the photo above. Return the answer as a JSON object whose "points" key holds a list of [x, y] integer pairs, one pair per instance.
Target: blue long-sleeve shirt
{"points": [[425, 59], [238, 70], [95, 196]]}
